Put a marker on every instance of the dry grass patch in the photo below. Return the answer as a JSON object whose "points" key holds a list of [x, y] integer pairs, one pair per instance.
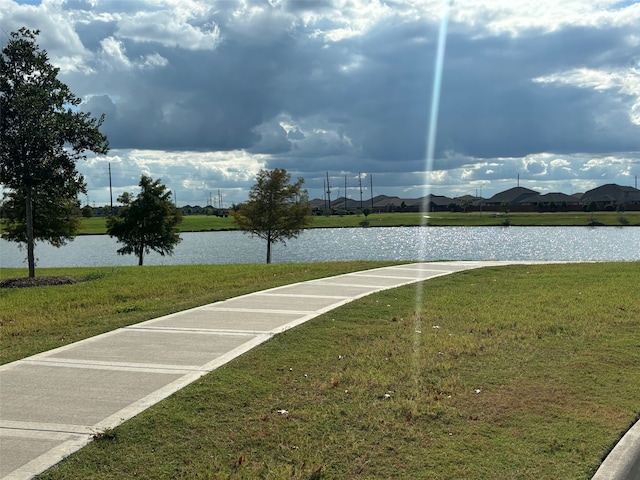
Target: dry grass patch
{"points": [[523, 396]]}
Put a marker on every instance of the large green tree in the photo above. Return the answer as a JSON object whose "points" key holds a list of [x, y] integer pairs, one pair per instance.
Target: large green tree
{"points": [[42, 136], [147, 222], [55, 218], [276, 210]]}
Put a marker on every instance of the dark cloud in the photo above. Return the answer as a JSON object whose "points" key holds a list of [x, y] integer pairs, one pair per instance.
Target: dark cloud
{"points": [[500, 111], [381, 83], [319, 86]]}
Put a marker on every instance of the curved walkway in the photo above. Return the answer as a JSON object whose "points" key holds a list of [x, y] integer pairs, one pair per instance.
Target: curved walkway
{"points": [[51, 404]]}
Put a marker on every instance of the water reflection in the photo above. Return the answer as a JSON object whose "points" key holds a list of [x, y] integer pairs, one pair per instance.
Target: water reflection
{"points": [[316, 245]]}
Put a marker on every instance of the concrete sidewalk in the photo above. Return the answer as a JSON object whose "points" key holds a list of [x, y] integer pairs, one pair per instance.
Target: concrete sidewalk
{"points": [[51, 404]]}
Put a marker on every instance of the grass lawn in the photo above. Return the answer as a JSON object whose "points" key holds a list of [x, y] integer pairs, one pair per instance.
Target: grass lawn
{"points": [[477, 219], [190, 223], [520, 372], [33, 320], [534, 219], [203, 223]]}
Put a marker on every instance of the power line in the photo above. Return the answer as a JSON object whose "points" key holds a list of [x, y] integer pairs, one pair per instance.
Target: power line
{"points": [[5, 32]]}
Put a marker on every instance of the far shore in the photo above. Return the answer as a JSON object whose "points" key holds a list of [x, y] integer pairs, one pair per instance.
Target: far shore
{"points": [[212, 223], [207, 223]]}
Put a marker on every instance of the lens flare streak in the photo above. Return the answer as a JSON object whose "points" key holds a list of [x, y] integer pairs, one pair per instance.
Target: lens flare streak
{"points": [[430, 152]]}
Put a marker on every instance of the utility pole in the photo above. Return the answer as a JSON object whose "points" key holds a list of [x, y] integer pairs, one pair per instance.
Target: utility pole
{"points": [[360, 184], [328, 191], [371, 181], [110, 191], [345, 193], [324, 193]]}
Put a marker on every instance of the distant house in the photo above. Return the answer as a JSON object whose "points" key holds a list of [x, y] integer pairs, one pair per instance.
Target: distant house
{"points": [[467, 198], [412, 205], [318, 204], [440, 202], [517, 198], [552, 201], [612, 194], [380, 203], [435, 203], [513, 196], [346, 204]]}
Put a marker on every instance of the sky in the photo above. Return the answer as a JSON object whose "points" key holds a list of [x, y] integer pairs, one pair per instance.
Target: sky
{"points": [[203, 94]]}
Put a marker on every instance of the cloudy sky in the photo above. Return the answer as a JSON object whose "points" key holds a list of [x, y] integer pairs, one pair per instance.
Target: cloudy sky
{"points": [[205, 93]]}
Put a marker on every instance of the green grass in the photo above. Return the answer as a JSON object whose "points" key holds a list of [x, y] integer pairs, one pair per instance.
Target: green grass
{"points": [[477, 219], [33, 320], [203, 223], [520, 372], [190, 223], [93, 226], [535, 219], [374, 220]]}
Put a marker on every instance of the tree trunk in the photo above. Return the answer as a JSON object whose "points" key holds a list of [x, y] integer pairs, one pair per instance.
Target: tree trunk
{"points": [[141, 254], [268, 247], [268, 250], [30, 240]]}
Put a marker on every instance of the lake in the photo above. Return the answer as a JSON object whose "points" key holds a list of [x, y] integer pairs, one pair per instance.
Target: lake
{"points": [[335, 244]]}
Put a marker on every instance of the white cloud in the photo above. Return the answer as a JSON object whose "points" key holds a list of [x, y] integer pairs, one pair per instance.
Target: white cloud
{"points": [[561, 164], [354, 18], [624, 81], [165, 28], [516, 18], [191, 174], [439, 177], [467, 174], [114, 55], [153, 61], [57, 32], [601, 164]]}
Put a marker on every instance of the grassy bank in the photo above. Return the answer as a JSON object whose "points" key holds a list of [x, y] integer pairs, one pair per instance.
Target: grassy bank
{"points": [[203, 223], [33, 320], [525, 372]]}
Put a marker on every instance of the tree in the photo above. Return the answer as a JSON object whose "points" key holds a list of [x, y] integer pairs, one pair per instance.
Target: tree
{"points": [[42, 136], [147, 222], [87, 211], [276, 210], [55, 219]]}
